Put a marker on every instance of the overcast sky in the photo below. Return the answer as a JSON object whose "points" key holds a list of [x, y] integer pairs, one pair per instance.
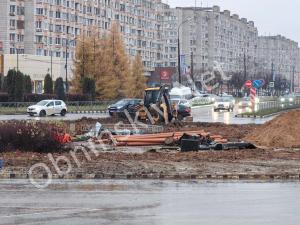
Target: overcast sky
{"points": [[270, 16]]}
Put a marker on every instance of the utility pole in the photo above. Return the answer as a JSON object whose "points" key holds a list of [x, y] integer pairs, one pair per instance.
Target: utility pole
{"points": [[192, 66], [51, 62], [66, 66], [83, 55], [293, 81], [273, 71], [179, 60], [178, 40], [245, 68], [17, 59]]}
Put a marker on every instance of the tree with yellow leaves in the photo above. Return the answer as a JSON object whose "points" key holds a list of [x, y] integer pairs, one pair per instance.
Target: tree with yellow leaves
{"points": [[119, 58], [137, 79], [104, 59], [85, 55]]}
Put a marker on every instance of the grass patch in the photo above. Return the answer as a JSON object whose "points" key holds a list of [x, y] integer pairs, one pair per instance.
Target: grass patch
{"points": [[12, 110]]}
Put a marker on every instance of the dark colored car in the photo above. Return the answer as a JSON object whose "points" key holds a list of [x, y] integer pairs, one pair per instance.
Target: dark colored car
{"points": [[119, 107], [183, 107]]}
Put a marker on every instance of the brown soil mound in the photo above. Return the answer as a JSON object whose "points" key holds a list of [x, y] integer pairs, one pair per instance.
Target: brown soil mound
{"points": [[283, 131]]}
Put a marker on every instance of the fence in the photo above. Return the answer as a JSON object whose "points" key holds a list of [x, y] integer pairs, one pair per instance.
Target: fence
{"points": [[21, 107], [199, 101], [278, 105]]}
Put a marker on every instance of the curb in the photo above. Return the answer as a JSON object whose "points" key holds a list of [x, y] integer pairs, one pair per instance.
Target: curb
{"points": [[88, 112], [99, 176]]}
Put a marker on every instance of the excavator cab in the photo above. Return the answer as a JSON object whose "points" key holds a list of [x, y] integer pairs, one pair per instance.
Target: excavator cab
{"points": [[157, 103]]}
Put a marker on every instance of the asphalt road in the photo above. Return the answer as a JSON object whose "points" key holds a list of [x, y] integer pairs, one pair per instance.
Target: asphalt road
{"points": [[200, 114], [207, 114], [56, 117], [149, 202]]}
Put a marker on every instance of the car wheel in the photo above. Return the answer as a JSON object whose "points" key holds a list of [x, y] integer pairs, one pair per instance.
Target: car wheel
{"points": [[63, 112], [42, 113], [31, 115], [215, 110]]}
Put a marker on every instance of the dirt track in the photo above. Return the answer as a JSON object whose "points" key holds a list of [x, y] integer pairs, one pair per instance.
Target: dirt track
{"points": [[170, 162], [155, 160]]}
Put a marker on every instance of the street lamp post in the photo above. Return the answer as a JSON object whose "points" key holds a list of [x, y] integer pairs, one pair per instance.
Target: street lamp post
{"points": [[17, 52], [178, 40], [66, 66]]}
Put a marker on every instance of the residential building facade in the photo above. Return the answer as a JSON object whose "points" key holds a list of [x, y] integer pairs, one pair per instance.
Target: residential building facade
{"points": [[48, 27], [278, 56], [207, 36], [213, 36]]}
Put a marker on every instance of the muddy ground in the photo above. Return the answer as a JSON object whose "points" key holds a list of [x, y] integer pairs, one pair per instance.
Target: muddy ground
{"points": [[161, 160]]}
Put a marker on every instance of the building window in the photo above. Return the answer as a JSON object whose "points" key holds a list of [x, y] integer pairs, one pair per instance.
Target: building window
{"points": [[20, 10], [12, 50], [38, 24], [39, 39], [12, 9], [58, 28], [57, 15], [39, 11], [58, 41], [12, 37], [20, 37], [12, 24], [57, 54]]}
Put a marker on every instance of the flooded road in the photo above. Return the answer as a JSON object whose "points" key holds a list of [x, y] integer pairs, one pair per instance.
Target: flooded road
{"points": [[150, 202]]}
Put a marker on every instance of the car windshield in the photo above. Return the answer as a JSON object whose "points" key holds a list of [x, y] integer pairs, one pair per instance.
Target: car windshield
{"points": [[122, 102], [226, 99], [42, 103]]}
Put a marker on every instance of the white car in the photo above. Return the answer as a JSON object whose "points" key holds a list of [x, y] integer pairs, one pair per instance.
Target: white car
{"points": [[47, 108], [224, 103]]}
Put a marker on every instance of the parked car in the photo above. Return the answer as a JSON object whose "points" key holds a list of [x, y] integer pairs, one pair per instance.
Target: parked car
{"points": [[48, 108], [246, 102], [183, 107], [119, 107], [224, 103]]}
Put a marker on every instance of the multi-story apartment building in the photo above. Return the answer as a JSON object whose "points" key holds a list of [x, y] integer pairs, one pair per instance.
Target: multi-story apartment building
{"points": [[170, 37], [215, 36], [48, 27], [278, 56], [12, 26]]}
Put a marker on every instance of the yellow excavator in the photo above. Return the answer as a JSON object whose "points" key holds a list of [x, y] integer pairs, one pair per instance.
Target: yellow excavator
{"points": [[157, 107]]}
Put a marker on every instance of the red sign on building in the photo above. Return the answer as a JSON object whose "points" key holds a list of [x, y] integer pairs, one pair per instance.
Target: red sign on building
{"points": [[164, 75]]}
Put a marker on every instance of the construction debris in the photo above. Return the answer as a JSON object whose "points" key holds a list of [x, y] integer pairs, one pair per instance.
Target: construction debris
{"points": [[171, 138]]}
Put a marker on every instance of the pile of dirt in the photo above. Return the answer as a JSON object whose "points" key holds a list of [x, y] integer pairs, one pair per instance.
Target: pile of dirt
{"points": [[281, 132]]}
